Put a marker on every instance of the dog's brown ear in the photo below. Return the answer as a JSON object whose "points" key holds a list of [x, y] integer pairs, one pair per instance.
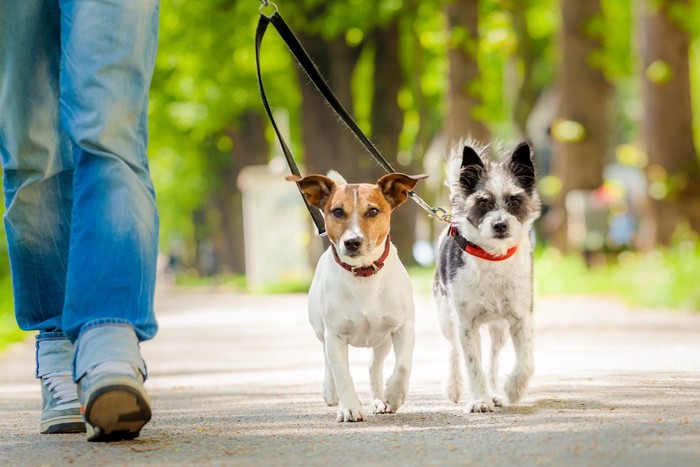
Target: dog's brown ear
{"points": [[395, 187], [317, 189]]}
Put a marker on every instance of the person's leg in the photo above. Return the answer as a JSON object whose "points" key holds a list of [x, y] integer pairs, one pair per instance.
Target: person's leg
{"points": [[37, 182], [108, 51]]}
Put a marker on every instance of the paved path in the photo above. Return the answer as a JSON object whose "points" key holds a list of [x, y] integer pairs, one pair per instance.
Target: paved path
{"points": [[235, 380]]}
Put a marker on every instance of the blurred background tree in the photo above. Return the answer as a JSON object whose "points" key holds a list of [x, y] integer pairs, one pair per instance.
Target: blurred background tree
{"points": [[668, 120], [578, 78], [598, 86]]}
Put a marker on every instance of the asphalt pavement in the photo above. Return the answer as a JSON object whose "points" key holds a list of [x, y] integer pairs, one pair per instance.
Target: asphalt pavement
{"points": [[236, 380]]}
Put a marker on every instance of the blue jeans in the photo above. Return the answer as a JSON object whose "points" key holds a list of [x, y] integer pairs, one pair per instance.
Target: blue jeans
{"points": [[80, 214]]}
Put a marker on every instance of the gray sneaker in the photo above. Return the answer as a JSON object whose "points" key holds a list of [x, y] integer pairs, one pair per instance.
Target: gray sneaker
{"points": [[60, 409], [114, 403]]}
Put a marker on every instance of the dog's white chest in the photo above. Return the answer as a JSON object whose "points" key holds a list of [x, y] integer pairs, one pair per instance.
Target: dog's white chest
{"points": [[367, 328], [493, 291], [364, 311]]}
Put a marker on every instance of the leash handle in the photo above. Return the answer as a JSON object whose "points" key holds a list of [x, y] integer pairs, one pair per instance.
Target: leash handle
{"points": [[316, 78]]}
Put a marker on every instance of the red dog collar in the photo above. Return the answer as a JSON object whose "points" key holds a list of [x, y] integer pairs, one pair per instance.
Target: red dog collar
{"points": [[476, 250], [365, 271]]}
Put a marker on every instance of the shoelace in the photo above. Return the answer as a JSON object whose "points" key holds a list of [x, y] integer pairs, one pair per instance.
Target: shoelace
{"points": [[62, 387]]}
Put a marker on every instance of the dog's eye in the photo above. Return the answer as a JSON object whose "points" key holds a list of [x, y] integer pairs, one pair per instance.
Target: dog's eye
{"points": [[514, 202], [337, 213], [482, 203], [372, 212]]}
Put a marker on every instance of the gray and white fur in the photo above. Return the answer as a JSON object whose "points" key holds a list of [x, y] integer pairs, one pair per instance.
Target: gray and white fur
{"points": [[494, 205]]}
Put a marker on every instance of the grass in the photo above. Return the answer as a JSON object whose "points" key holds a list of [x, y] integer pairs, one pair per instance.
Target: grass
{"points": [[237, 283], [663, 278]]}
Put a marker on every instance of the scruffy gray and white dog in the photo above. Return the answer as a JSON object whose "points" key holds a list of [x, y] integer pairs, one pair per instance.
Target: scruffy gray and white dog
{"points": [[484, 269]]}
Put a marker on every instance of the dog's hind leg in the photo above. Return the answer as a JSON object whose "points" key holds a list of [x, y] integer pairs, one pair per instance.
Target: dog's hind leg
{"points": [[521, 331], [330, 393], [497, 329], [376, 376], [454, 382]]}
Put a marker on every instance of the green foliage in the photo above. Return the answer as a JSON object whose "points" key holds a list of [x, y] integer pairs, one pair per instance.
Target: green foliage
{"points": [[504, 48], [617, 59], [665, 278], [9, 332], [695, 84], [204, 80], [423, 57]]}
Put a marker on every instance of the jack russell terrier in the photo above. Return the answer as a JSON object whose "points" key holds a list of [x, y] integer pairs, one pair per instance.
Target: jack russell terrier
{"points": [[361, 294]]}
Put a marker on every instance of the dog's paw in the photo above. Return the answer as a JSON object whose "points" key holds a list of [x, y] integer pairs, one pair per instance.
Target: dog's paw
{"points": [[395, 400], [330, 395], [350, 414], [453, 391], [498, 401], [330, 398], [380, 406], [515, 387], [480, 406]]}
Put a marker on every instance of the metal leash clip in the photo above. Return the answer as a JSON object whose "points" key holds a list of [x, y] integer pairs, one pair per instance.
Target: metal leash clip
{"points": [[442, 215], [437, 213], [266, 3]]}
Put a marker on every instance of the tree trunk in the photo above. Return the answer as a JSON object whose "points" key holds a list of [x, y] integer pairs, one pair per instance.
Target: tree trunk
{"points": [[387, 123], [668, 132], [581, 131], [528, 53], [462, 97], [249, 147], [328, 144]]}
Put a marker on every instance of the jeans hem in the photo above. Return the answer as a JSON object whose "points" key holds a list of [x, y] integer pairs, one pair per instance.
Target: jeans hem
{"points": [[104, 340], [52, 335], [53, 353], [95, 323]]}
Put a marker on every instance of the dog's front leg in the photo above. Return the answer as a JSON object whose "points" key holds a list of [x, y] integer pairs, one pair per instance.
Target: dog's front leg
{"points": [[376, 376], [498, 330], [330, 393], [481, 400], [350, 408], [521, 331], [404, 341]]}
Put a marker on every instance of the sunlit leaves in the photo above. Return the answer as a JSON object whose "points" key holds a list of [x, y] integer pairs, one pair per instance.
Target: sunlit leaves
{"points": [[659, 72], [568, 131]]}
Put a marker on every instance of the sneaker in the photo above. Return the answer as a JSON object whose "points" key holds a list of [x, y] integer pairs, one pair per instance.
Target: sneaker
{"points": [[60, 409], [115, 405]]}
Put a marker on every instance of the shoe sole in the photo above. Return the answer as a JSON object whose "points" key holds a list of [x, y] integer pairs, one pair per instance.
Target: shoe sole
{"points": [[63, 424], [116, 410]]}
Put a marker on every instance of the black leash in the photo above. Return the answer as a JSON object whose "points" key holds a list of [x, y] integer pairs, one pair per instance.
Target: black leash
{"points": [[315, 76]]}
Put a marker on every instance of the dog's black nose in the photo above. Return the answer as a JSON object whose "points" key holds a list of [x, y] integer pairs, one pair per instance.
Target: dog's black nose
{"points": [[500, 227], [353, 244]]}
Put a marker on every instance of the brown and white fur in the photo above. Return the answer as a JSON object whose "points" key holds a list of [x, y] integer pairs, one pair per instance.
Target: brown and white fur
{"points": [[494, 205], [375, 311]]}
